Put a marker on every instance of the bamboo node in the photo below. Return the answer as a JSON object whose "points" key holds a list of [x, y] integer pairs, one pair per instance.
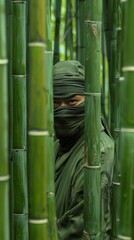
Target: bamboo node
{"points": [[18, 76], [93, 167], [38, 221], [37, 44], [128, 69], [116, 183], [93, 94], [51, 193], [91, 21], [4, 178], [121, 78], [124, 237], [3, 61], [118, 28], [16, 150], [127, 130], [48, 52], [38, 133], [117, 129]]}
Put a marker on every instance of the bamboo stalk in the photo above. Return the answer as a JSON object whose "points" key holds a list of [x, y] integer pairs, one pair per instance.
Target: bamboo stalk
{"points": [[92, 116], [117, 174], [68, 35], [126, 152], [50, 148], [38, 133], [113, 60], [77, 16], [80, 31], [106, 19], [4, 171], [57, 30], [106, 25], [105, 69], [10, 108], [19, 155], [104, 58], [50, 124], [9, 48]]}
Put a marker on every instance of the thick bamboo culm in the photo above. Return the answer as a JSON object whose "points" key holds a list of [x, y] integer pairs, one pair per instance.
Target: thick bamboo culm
{"points": [[106, 19], [38, 133], [9, 51], [10, 108], [4, 171], [19, 145], [113, 11], [105, 57], [92, 184], [126, 149], [106, 26], [50, 148], [104, 77], [50, 124], [116, 177]]}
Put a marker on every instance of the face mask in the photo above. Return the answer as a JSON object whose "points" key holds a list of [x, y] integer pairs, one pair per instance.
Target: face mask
{"points": [[68, 121]]}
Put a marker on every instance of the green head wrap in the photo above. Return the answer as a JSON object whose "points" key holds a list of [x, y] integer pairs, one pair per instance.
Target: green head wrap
{"points": [[68, 120], [68, 79]]}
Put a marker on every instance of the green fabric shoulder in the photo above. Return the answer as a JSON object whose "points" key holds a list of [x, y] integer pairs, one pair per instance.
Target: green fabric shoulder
{"points": [[70, 189]]}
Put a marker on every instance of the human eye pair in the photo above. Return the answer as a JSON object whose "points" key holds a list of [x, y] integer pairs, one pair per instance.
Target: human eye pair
{"points": [[65, 102]]}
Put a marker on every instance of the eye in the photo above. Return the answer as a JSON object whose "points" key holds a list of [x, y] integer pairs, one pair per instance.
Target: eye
{"points": [[72, 102]]}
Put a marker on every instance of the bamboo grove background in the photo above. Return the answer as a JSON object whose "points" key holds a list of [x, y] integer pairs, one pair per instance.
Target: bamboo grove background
{"points": [[33, 36]]}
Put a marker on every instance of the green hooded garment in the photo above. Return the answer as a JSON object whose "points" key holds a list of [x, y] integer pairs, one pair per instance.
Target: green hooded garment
{"points": [[69, 157]]}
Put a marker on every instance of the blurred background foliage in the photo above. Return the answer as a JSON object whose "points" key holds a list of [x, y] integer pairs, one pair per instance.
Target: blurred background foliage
{"points": [[65, 27]]}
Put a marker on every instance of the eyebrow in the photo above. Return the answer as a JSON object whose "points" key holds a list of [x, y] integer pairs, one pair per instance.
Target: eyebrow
{"points": [[59, 99]]}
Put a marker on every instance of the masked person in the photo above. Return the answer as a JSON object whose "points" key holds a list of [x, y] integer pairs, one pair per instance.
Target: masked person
{"points": [[69, 154]]}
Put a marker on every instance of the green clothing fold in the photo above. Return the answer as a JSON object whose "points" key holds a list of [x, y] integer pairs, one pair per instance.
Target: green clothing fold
{"points": [[69, 183]]}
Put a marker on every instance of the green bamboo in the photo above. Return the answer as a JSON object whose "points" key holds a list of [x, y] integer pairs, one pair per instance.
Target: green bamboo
{"points": [[9, 52], [92, 120], [113, 60], [68, 35], [38, 133], [57, 31], [50, 147], [10, 106], [106, 26], [104, 58], [105, 72], [106, 19], [116, 177], [4, 171], [19, 154], [77, 15], [126, 152], [80, 31]]}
